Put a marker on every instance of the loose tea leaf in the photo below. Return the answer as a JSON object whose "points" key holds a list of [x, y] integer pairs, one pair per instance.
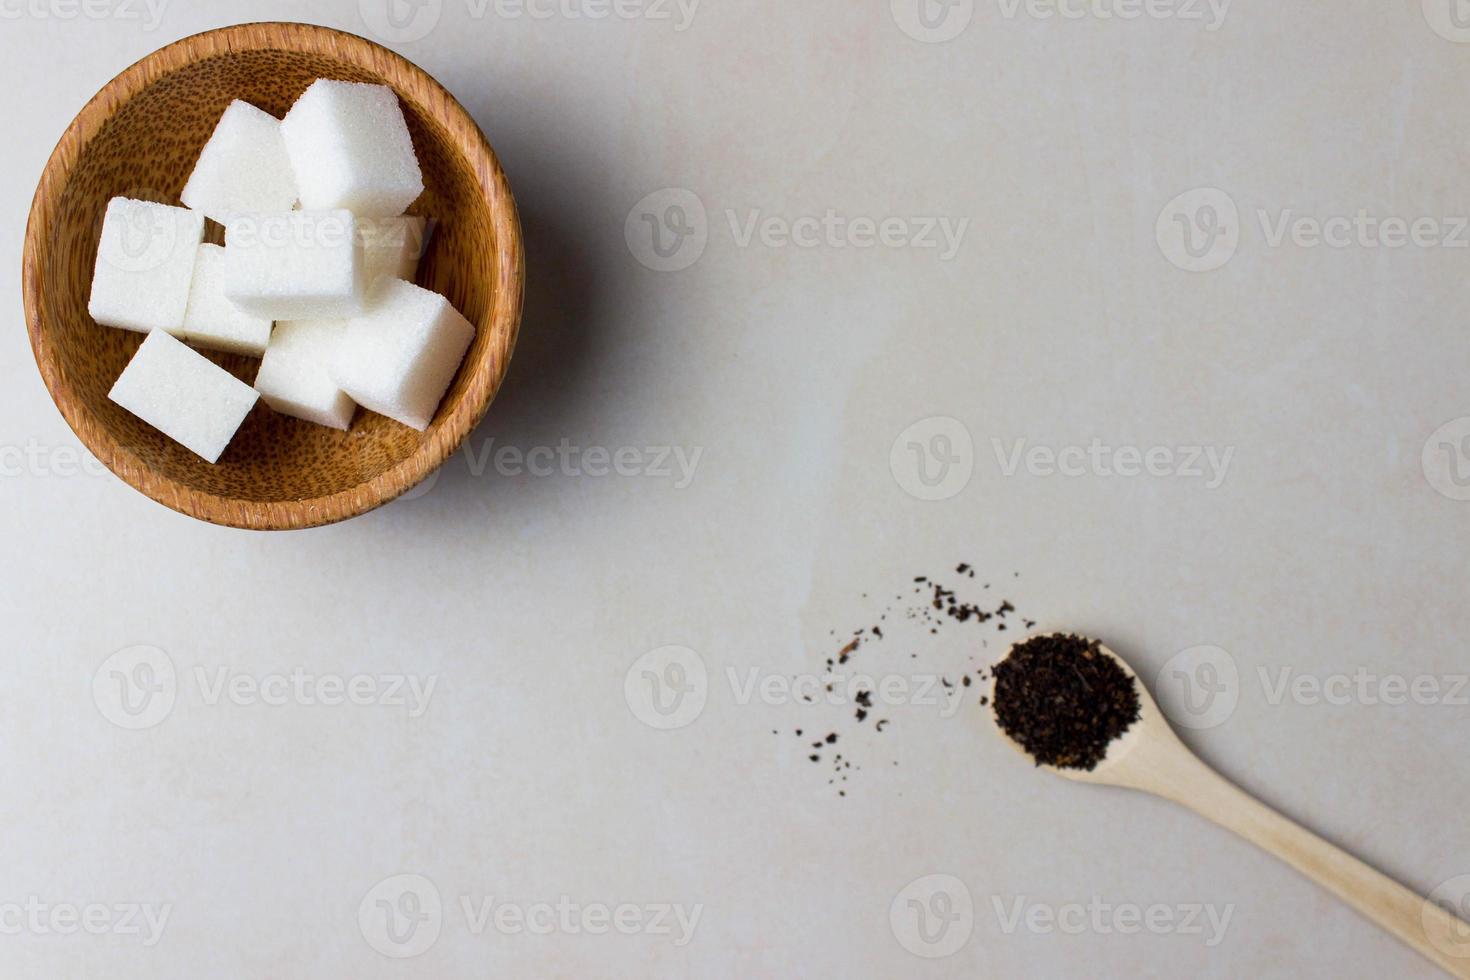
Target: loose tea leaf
{"points": [[924, 605], [1064, 700]]}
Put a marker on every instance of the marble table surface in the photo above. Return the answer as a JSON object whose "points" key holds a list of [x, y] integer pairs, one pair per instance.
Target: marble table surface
{"points": [[1152, 312]]}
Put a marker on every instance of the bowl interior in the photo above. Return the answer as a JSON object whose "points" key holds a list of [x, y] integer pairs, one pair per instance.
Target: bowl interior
{"points": [[146, 150]]}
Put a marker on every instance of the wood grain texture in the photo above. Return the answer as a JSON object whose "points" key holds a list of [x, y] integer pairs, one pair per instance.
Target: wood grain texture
{"points": [[139, 137], [1149, 757]]}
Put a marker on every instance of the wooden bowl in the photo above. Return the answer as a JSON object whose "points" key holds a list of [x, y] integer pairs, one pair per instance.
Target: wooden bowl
{"points": [[139, 138]]}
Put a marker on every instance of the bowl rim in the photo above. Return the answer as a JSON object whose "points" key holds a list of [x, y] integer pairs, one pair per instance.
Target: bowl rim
{"points": [[444, 435]]}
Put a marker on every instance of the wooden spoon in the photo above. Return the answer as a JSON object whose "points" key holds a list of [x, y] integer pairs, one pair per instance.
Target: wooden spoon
{"points": [[1150, 757]]}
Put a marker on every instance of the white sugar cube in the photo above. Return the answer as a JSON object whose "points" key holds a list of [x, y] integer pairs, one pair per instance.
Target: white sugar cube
{"points": [[294, 265], [399, 356], [295, 378], [350, 148], [183, 394], [214, 321], [243, 167], [391, 246], [145, 262]]}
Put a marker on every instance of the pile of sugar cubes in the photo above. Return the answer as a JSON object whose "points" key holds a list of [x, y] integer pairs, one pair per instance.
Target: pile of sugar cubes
{"points": [[314, 276]]}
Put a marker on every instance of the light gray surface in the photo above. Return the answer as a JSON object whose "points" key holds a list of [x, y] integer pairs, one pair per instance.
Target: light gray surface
{"points": [[1063, 315]]}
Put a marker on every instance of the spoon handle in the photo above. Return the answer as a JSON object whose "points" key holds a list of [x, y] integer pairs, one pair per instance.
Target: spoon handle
{"points": [[1415, 920]]}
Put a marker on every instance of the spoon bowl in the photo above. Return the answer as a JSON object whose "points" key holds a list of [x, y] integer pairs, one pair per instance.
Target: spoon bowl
{"points": [[1149, 756], [1131, 757]]}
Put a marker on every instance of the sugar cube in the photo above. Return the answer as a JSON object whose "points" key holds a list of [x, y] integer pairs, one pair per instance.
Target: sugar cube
{"points": [[212, 320], [183, 394], [398, 357], [391, 246], [350, 148], [294, 376], [145, 262], [294, 265], [243, 167]]}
